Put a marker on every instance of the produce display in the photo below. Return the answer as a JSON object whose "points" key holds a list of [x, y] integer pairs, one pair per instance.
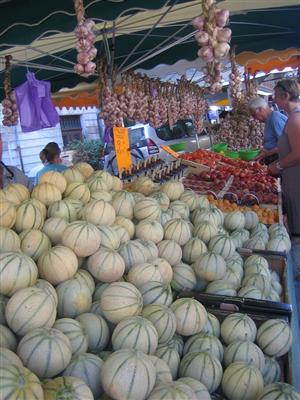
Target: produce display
{"points": [[89, 306], [139, 98], [213, 38], [239, 129], [247, 178]]}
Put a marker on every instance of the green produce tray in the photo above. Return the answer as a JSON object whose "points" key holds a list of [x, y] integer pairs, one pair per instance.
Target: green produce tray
{"points": [[248, 154], [232, 154], [218, 147], [178, 146]]}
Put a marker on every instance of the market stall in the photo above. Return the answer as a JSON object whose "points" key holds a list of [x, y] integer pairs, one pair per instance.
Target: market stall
{"points": [[166, 279]]}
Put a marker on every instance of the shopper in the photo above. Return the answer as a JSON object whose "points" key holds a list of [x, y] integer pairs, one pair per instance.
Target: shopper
{"points": [[287, 97], [50, 157], [274, 126], [10, 174]]}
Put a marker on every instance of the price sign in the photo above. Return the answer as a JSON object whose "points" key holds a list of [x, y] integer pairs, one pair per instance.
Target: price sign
{"points": [[121, 144]]}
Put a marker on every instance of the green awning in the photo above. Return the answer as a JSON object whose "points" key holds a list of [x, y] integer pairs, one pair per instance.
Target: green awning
{"points": [[41, 32]]}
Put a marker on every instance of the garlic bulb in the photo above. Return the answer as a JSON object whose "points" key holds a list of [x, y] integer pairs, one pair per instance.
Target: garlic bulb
{"points": [[85, 42], [10, 109]]}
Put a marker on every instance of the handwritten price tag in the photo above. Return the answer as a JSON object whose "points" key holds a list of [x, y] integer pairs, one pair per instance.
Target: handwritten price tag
{"points": [[121, 143]]}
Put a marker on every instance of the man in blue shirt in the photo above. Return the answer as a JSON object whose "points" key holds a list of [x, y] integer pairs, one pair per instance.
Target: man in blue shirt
{"points": [[274, 125]]}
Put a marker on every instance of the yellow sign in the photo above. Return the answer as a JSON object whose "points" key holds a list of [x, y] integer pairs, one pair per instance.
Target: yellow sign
{"points": [[169, 150], [121, 144]]}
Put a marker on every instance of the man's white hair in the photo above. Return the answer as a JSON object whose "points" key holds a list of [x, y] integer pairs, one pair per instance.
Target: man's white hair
{"points": [[257, 102]]}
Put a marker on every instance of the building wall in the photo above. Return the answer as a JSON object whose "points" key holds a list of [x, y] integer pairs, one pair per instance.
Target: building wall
{"points": [[27, 146]]}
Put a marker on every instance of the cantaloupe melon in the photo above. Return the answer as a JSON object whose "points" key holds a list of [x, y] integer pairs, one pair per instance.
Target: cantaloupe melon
{"points": [[163, 373], [150, 248], [9, 240], [147, 208], [88, 368], [127, 224], [67, 386], [46, 193], [221, 287], [181, 208], [274, 337], [172, 390], [30, 308], [109, 237], [204, 342], [272, 371], [173, 189], [3, 302], [8, 340], [251, 292], [53, 228], [144, 185], [121, 300], [78, 191], [73, 175], [279, 391], [117, 184], [212, 325], [96, 183], [164, 268], [259, 281], [101, 195], [170, 251], [84, 168], [162, 199], [150, 230], [82, 237], [223, 245], [245, 351], [8, 358], [17, 382], [203, 367], [177, 230], [191, 198], [17, 271], [156, 293], [48, 288], [190, 315], [9, 197], [251, 219], [62, 209], [193, 249], [199, 389], [57, 264], [238, 326], [170, 355], [55, 178], [28, 217], [123, 203], [163, 318], [34, 243], [21, 191], [135, 333], [128, 374], [242, 381], [86, 278], [122, 233], [133, 253], [205, 230], [140, 274], [210, 267], [105, 176], [45, 351], [234, 220], [96, 329], [106, 265], [74, 298], [98, 212], [184, 277], [75, 333]]}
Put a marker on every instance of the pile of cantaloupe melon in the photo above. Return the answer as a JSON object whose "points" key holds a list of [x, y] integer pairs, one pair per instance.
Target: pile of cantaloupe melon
{"points": [[88, 279]]}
